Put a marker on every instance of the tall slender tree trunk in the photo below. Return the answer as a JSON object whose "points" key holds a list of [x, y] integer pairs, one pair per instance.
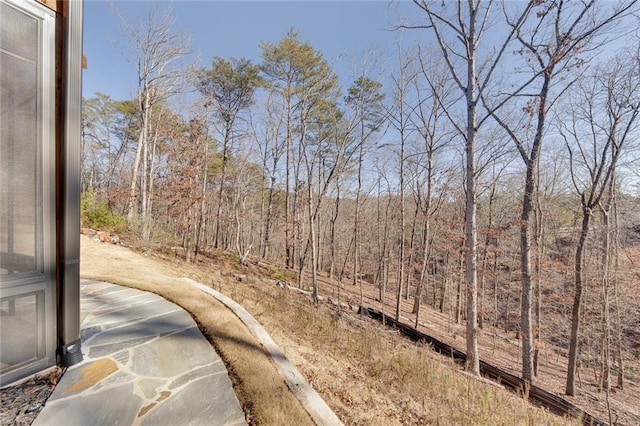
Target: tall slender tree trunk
{"points": [[527, 282], [606, 304], [287, 194], [356, 220], [332, 233], [148, 217], [426, 254], [144, 169], [401, 256], [426, 237], [149, 180], [459, 287], [383, 269], [314, 249], [539, 253], [605, 279], [530, 191], [203, 202], [496, 313], [471, 256], [485, 256], [577, 302], [412, 241], [267, 228], [132, 209], [223, 178], [262, 219], [616, 307], [423, 269]]}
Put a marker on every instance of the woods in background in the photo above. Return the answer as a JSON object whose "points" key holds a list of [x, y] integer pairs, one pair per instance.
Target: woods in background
{"points": [[492, 175]]}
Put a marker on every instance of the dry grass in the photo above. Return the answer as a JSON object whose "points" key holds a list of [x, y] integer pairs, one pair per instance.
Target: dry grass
{"points": [[371, 376], [367, 374]]}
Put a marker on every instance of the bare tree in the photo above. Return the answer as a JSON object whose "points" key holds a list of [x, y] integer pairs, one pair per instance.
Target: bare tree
{"points": [[104, 141], [555, 41], [604, 117], [399, 112], [459, 30], [155, 50], [427, 119]]}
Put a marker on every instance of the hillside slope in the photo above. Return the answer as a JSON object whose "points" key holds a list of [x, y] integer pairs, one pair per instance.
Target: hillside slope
{"points": [[366, 373]]}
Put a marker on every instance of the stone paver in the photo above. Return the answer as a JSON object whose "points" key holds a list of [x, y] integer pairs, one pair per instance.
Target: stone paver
{"points": [[145, 363]]}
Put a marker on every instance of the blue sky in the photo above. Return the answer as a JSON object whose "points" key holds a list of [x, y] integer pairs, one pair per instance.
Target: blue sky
{"points": [[344, 31]]}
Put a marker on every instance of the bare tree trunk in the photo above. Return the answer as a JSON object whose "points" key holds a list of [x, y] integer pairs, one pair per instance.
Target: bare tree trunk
{"points": [[620, 118], [356, 219], [149, 180], [155, 47], [223, 176], [606, 321], [312, 241], [147, 222], [288, 232], [426, 247], [203, 201], [471, 267], [132, 209], [617, 320], [383, 255], [401, 125], [332, 233], [471, 256], [402, 226], [526, 328], [485, 256], [412, 239], [317, 219], [539, 238], [187, 233], [298, 222], [333, 249], [144, 169], [423, 269], [577, 302], [261, 220], [459, 281], [495, 288]]}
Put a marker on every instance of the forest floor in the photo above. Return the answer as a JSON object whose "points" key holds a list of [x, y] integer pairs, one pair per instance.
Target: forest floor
{"points": [[504, 350]]}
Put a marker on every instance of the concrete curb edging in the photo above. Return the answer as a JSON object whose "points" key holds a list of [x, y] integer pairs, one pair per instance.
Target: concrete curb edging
{"points": [[312, 402]]}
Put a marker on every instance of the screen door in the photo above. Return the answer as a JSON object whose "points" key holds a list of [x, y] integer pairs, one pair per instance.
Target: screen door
{"points": [[27, 189]]}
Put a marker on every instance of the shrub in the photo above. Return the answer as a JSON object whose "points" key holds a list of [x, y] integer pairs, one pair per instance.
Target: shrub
{"points": [[97, 214]]}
